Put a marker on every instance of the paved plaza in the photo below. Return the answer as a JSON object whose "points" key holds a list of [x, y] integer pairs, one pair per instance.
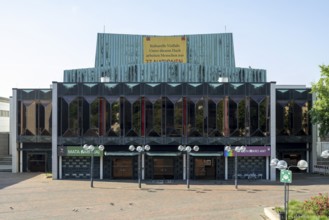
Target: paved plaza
{"points": [[37, 196]]}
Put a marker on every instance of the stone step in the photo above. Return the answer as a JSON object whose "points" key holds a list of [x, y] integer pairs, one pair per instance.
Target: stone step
{"points": [[5, 168], [5, 160]]}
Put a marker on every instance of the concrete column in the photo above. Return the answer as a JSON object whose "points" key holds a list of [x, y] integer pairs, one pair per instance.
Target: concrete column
{"points": [[273, 127], [13, 132], [21, 158], [60, 168], [267, 168], [226, 168], [101, 167], [184, 166], [54, 164], [143, 166]]}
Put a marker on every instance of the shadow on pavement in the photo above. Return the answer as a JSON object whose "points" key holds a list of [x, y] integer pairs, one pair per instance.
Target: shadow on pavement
{"points": [[297, 179], [8, 179]]}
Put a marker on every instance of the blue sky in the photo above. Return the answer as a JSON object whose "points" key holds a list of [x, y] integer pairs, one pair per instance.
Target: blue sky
{"points": [[40, 39]]}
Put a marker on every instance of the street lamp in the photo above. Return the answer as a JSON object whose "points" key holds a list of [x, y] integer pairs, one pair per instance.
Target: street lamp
{"points": [[325, 154], [91, 148], [237, 150], [286, 177], [188, 149], [140, 150]]}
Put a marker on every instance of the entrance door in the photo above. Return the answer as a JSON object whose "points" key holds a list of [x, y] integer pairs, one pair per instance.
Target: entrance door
{"points": [[163, 168], [205, 168], [36, 162], [292, 159], [122, 168]]}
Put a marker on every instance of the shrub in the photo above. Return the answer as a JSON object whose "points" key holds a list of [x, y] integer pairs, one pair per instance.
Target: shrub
{"points": [[316, 208], [319, 205]]}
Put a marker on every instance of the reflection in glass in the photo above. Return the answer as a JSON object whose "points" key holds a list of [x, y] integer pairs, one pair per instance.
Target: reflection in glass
{"points": [[200, 117], [136, 120], [211, 118], [63, 119], [242, 117], [127, 116], [169, 121], [253, 117], [148, 117], [305, 118], [220, 118], [91, 115], [153, 118], [191, 118], [75, 108], [178, 118], [195, 118], [233, 120], [74, 118], [29, 118], [300, 120], [113, 127], [264, 115], [44, 117], [287, 121], [279, 119]]}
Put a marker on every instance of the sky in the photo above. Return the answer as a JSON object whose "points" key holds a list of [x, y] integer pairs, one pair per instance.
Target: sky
{"points": [[39, 39]]}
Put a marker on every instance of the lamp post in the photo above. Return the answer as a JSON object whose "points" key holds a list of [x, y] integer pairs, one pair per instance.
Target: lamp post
{"points": [[237, 150], [140, 150], [91, 148], [188, 149], [286, 177]]}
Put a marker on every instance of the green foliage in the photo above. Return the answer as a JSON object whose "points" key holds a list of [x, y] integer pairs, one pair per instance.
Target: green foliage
{"points": [[319, 205], [319, 112], [316, 208]]}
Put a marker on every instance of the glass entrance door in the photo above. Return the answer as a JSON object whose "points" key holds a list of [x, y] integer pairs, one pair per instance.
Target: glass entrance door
{"points": [[205, 168], [36, 162], [163, 168], [122, 168]]}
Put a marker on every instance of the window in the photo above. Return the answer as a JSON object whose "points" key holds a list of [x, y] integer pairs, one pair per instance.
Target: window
{"points": [[4, 113]]}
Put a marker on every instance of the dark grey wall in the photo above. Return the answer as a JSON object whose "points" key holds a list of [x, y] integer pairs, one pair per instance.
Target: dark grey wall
{"points": [[4, 143]]}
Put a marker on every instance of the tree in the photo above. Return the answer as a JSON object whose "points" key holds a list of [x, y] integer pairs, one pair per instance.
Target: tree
{"points": [[320, 110]]}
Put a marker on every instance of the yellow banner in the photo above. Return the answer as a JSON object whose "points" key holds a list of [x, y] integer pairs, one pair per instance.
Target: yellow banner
{"points": [[165, 49]]}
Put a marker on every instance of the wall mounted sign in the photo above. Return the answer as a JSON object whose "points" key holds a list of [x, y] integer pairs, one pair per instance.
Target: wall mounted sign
{"points": [[77, 151], [165, 49], [250, 151]]}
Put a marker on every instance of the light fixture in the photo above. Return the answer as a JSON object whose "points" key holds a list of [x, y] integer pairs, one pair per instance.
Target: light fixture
{"points": [[188, 149], [283, 167], [325, 154], [91, 148], [140, 150]]}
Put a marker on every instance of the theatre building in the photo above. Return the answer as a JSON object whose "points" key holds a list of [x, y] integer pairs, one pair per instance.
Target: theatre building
{"points": [[161, 91]]}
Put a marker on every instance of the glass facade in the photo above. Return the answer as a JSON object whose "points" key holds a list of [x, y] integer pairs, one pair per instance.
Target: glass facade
{"points": [[34, 115], [292, 107], [34, 129], [293, 125], [165, 112], [211, 115]]}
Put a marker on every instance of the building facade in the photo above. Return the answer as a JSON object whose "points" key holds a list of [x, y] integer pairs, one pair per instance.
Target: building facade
{"points": [[4, 126], [161, 91]]}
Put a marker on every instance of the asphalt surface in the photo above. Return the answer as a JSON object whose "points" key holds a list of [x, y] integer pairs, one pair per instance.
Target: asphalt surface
{"points": [[37, 196]]}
